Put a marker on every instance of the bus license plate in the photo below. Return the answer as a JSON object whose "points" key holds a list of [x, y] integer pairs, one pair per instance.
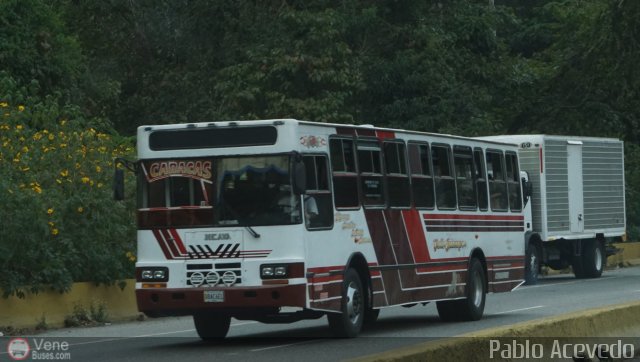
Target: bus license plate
{"points": [[214, 296]]}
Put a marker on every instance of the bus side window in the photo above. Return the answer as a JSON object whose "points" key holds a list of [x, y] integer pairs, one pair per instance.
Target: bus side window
{"points": [[481, 179], [370, 170], [513, 182], [445, 184], [421, 176], [399, 193], [345, 178], [497, 183], [317, 203], [463, 162]]}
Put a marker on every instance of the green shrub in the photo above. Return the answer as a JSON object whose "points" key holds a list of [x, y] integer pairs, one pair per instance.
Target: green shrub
{"points": [[59, 223]]}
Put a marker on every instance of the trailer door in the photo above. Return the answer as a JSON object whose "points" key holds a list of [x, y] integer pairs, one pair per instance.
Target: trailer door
{"points": [[576, 200]]}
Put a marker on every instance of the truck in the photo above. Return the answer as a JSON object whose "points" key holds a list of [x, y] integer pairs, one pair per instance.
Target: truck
{"points": [[577, 190]]}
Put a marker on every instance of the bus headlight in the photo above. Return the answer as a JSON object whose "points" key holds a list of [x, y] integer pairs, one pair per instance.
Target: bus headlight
{"points": [[152, 274], [271, 271], [266, 271], [280, 271]]}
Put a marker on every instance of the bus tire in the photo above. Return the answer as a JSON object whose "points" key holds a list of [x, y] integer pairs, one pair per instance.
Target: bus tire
{"points": [[471, 308], [212, 326], [532, 264], [475, 291], [348, 323]]}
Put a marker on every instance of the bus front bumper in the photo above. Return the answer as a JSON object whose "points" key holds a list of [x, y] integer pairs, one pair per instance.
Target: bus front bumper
{"points": [[156, 302]]}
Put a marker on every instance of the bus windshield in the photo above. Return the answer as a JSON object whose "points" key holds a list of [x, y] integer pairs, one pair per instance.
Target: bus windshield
{"points": [[221, 191]]}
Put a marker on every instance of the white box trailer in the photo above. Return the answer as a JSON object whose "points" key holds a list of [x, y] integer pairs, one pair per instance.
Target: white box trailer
{"points": [[577, 199]]}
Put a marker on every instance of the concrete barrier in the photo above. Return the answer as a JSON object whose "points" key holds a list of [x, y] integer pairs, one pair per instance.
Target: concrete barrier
{"points": [[611, 321], [52, 308]]}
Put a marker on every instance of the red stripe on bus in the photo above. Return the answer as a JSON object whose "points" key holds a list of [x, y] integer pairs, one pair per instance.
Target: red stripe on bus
{"points": [[170, 242], [162, 244], [385, 134], [416, 236], [330, 278], [178, 240]]}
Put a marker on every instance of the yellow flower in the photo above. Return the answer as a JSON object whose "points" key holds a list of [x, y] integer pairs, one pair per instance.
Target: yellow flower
{"points": [[51, 224], [20, 108], [50, 211], [80, 209], [64, 173], [25, 149], [4, 104], [131, 256], [63, 122], [51, 136], [19, 126], [85, 180], [98, 169], [54, 231]]}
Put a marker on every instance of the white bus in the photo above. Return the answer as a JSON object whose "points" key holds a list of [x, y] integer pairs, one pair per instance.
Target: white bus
{"points": [[243, 219]]}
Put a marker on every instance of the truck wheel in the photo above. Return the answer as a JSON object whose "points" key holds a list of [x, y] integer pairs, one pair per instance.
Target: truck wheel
{"points": [[349, 323], [470, 308], [532, 265], [211, 326], [593, 259]]}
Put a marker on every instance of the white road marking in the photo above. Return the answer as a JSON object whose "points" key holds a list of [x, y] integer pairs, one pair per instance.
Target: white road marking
{"points": [[525, 287], [282, 346], [518, 310]]}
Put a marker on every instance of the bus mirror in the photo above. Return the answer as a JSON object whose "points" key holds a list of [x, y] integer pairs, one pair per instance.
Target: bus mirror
{"points": [[299, 176], [118, 185], [118, 176]]}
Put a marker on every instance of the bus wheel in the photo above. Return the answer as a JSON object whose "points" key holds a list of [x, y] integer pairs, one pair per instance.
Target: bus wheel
{"points": [[532, 265], [593, 259], [471, 307], [349, 323], [476, 293], [211, 326]]}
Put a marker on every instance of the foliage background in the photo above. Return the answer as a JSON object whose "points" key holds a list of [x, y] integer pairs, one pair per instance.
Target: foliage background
{"points": [[463, 67]]}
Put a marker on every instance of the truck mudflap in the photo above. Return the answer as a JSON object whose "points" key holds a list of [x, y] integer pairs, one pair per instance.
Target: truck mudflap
{"points": [[611, 249]]}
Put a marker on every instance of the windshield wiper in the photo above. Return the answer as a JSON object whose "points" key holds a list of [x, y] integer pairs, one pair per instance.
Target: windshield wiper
{"points": [[235, 214]]}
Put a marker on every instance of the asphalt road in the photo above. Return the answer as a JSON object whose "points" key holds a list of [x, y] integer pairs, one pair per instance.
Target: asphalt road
{"points": [[171, 339]]}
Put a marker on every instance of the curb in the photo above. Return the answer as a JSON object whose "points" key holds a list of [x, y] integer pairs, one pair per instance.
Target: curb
{"points": [[599, 322]]}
